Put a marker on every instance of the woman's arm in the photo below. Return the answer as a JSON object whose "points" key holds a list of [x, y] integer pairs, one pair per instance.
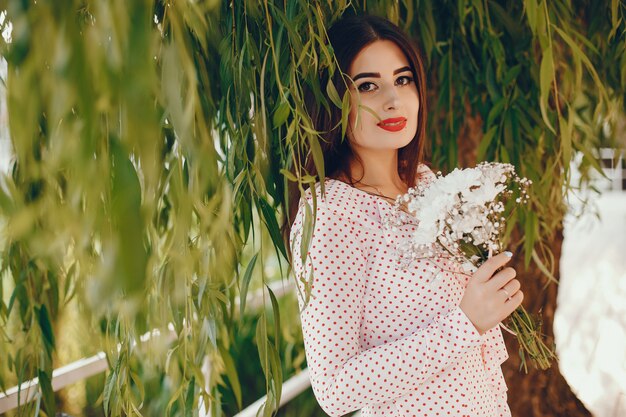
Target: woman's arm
{"points": [[343, 377]]}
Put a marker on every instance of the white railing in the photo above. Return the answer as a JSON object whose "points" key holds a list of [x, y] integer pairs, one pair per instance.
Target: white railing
{"points": [[76, 371], [614, 167], [291, 388], [87, 367], [66, 375]]}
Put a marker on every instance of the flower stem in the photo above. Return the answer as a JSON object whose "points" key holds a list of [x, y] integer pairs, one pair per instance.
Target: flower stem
{"points": [[530, 340]]}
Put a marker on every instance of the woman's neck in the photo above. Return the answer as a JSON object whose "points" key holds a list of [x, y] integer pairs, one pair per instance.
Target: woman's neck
{"points": [[379, 170]]}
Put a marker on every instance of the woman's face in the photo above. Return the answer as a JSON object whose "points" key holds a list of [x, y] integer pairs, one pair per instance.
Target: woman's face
{"points": [[385, 83]]}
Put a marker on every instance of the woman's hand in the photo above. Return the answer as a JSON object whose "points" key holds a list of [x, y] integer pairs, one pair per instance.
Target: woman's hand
{"points": [[490, 297]]}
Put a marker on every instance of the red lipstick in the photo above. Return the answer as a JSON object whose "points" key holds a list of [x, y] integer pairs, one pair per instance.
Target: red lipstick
{"points": [[394, 124]]}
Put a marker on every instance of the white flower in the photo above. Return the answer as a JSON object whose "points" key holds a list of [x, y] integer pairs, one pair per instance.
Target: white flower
{"points": [[460, 180], [486, 193], [464, 206], [466, 224], [425, 235]]}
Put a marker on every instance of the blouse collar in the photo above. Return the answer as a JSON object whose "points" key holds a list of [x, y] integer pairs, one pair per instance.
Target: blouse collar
{"points": [[362, 201]]}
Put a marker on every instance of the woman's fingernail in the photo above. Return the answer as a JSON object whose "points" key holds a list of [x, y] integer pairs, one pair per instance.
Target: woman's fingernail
{"points": [[509, 254]]}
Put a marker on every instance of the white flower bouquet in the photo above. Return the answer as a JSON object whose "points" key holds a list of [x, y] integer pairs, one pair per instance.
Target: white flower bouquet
{"points": [[463, 216]]}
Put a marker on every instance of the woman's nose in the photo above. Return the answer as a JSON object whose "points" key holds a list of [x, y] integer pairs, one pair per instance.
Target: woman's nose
{"points": [[392, 100]]}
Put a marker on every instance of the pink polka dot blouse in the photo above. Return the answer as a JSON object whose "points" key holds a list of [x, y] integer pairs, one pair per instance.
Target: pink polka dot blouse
{"points": [[385, 340]]}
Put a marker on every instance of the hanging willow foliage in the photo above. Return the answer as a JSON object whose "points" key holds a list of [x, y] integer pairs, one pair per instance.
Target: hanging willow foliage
{"points": [[153, 141]]}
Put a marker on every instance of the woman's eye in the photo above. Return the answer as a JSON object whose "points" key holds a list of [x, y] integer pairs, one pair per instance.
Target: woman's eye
{"points": [[365, 87], [404, 80]]}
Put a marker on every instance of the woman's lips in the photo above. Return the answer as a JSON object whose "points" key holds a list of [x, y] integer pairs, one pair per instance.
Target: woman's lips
{"points": [[393, 125]]}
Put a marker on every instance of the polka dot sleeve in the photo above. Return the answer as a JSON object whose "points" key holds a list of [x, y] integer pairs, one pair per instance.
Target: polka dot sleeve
{"points": [[344, 376]]}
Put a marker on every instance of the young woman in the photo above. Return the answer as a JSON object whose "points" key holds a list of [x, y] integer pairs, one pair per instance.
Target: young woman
{"points": [[422, 341]]}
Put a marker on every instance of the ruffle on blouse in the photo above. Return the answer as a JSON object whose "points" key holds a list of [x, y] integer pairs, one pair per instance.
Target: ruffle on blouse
{"points": [[494, 354], [352, 204], [362, 208]]}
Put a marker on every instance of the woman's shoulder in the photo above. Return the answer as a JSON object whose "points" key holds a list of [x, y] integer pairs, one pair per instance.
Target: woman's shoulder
{"points": [[424, 172], [334, 207], [339, 199]]}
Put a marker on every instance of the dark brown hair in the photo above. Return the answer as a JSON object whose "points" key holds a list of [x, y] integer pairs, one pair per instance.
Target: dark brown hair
{"points": [[348, 36]]}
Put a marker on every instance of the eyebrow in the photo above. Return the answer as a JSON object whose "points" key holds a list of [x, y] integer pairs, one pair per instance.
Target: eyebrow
{"points": [[377, 74]]}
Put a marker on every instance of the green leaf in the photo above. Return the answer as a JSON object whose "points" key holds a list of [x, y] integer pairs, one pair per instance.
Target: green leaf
{"points": [[504, 155], [615, 19], [189, 397], [262, 342], [565, 130], [542, 267], [231, 373], [593, 160], [245, 284], [281, 114], [45, 384], [108, 389], [530, 236], [131, 262], [307, 282], [7, 201], [318, 155], [276, 312], [345, 112], [511, 74], [174, 398], [289, 175], [19, 294], [277, 374], [69, 287], [37, 403], [46, 329], [140, 387], [495, 111], [492, 85], [269, 216], [577, 52], [531, 12], [507, 133], [267, 409], [324, 48], [332, 93], [307, 232], [510, 226], [370, 111], [508, 22], [486, 142], [546, 74]]}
